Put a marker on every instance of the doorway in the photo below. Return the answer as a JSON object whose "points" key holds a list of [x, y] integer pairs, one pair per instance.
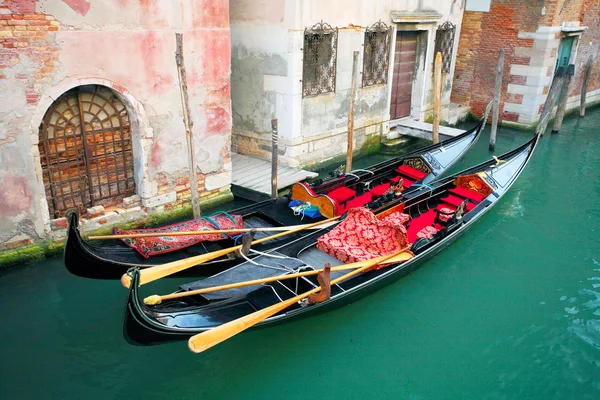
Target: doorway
{"points": [[86, 150], [403, 74]]}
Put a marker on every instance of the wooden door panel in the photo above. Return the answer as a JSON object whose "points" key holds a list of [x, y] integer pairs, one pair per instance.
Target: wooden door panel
{"points": [[403, 73]]}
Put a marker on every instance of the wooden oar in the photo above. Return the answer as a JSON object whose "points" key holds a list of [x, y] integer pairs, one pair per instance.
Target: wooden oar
{"points": [[157, 299], [160, 271], [190, 233], [205, 340]]}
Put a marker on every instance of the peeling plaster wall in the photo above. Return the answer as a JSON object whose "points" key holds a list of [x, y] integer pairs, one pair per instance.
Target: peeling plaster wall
{"points": [[50, 46], [267, 40]]}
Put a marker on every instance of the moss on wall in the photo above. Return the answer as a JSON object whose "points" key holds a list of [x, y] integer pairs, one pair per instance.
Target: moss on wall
{"points": [[48, 248]]}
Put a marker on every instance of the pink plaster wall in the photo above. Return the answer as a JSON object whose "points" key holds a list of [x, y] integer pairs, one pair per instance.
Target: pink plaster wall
{"points": [[130, 43]]}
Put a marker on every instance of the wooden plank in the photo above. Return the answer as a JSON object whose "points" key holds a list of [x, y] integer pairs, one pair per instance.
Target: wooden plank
{"points": [[255, 174]]}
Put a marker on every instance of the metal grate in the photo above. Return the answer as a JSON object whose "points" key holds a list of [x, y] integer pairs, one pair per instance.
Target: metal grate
{"points": [[319, 63], [85, 150], [444, 42], [376, 54]]}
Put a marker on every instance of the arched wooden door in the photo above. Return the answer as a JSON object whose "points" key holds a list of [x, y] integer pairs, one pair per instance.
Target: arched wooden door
{"points": [[85, 149]]}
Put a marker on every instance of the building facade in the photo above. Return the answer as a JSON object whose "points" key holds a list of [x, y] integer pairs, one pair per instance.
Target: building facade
{"points": [[293, 59], [538, 36], [91, 112]]}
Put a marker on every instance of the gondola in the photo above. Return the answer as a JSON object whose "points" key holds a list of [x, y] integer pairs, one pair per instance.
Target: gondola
{"points": [[470, 193], [111, 259]]}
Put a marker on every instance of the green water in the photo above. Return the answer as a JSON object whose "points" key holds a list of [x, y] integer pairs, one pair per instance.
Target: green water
{"points": [[511, 311]]}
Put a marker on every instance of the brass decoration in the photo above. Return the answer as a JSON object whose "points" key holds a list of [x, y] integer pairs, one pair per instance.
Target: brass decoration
{"points": [[419, 164]]}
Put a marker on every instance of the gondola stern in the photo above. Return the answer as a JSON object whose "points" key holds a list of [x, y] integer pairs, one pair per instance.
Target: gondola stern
{"points": [[136, 329]]}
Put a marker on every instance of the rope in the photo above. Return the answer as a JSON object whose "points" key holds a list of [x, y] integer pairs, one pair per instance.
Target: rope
{"points": [[233, 221]]}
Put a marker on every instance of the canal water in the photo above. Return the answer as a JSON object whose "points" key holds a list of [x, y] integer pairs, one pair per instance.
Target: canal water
{"points": [[510, 311]]}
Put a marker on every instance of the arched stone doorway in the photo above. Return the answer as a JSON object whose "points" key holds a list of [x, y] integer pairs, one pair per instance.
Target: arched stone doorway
{"points": [[86, 150]]}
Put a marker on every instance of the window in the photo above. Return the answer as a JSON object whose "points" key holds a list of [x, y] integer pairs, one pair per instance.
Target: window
{"points": [[444, 42], [376, 54], [319, 63]]}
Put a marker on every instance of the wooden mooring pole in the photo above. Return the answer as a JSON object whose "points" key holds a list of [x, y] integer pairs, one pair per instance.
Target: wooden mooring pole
{"points": [[497, 92], [351, 112], [557, 83], [437, 98], [564, 97], [586, 79], [274, 132], [188, 126]]}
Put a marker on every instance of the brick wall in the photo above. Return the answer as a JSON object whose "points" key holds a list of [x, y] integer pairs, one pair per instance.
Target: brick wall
{"points": [[530, 34], [470, 33], [25, 33]]}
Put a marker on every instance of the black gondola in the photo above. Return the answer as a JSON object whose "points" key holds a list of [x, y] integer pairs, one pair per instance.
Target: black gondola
{"points": [[111, 259], [180, 318]]}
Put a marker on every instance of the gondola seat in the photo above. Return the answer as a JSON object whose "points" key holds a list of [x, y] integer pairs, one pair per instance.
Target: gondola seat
{"points": [[380, 189], [358, 201], [456, 201], [361, 236], [411, 172], [342, 194]]}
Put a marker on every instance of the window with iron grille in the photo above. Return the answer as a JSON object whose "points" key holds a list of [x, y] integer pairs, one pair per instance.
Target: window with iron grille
{"points": [[444, 42], [376, 54], [319, 63]]}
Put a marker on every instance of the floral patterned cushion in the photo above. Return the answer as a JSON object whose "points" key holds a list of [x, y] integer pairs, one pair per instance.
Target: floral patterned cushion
{"points": [[361, 236], [427, 232], [445, 214]]}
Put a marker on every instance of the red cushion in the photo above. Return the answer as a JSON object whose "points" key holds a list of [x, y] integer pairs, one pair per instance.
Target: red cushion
{"points": [[427, 232], [456, 201], [341, 194], [380, 189], [420, 222], [359, 201], [411, 172], [395, 179], [467, 193]]}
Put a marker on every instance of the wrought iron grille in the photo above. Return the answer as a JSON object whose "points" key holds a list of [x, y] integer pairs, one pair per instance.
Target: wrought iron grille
{"points": [[376, 54], [444, 42], [85, 150], [319, 63]]}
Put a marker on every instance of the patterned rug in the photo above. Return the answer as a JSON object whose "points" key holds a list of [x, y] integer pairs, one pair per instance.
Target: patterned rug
{"points": [[149, 246]]}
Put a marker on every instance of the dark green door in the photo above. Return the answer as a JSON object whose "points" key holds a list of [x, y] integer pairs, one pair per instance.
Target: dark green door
{"points": [[564, 52]]}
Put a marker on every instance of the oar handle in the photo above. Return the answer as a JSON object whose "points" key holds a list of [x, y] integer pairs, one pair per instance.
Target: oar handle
{"points": [[205, 340]]}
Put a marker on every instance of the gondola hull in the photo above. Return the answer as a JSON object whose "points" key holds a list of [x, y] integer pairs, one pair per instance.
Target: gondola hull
{"points": [[145, 325], [111, 260]]}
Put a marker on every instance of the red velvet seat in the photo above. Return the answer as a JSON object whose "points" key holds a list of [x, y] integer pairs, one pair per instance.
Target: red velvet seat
{"points": [[380, 189], [341, 194], [358, 201], [395, 179], [411, 172], [456, 201], [467, 193]]}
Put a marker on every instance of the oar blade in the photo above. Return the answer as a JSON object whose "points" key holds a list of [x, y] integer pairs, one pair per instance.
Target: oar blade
{"points": [[205, 340]]}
